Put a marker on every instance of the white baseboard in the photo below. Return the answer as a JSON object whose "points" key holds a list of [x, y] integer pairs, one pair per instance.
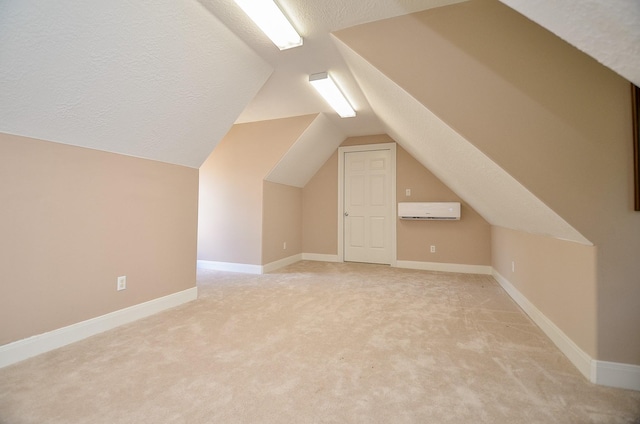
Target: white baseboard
{"points": [[249, 268], [32, 346], [446, 267], [622, 376], [580, 359], [612, 374], [320, 257], [272, 266], [230, 266]]}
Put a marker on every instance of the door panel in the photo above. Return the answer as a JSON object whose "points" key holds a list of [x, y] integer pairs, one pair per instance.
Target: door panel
{"points": [[356, 232], [377, 232], [377, 190], [368, 206], [357, 191]]}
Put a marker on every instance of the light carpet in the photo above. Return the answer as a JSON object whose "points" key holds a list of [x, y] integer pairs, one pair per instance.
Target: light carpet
{"points": [[318, 343]]}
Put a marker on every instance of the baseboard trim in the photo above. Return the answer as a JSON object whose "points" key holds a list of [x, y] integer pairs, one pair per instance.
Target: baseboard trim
{"points": [[272, 266], [320, 257], [249, 268], [230, 266], [446, 267], [41, 343], [579, 358], [613, 374]]}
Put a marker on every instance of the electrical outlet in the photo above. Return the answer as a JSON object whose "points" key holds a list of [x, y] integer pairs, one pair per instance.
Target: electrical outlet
{"points": [[284, 246], [122, 283], [407, 192], [513, 266], [433, 249]]}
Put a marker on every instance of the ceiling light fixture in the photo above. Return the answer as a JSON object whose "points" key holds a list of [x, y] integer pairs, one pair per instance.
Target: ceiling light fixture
{"points": [[332, 94], [270, 19]]}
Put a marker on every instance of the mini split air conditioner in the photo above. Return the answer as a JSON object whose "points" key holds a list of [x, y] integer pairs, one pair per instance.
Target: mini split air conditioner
{"points": [[429, 210]]}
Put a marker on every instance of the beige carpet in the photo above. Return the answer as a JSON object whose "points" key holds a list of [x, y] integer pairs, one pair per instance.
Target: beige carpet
{"points": [[318, 343]]}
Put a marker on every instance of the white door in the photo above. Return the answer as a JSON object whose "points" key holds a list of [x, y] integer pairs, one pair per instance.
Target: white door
{"points": [[367, 207]]}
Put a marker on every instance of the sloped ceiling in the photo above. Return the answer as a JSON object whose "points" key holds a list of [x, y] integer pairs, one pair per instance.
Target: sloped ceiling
{"points": [[166, 79], [307, 154], [491, 191], [158, 79], [607, 30], [288, 92]]}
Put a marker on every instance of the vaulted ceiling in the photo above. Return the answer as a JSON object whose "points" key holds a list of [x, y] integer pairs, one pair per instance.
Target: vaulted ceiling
{"points": [[163, 80], [166, 80]]}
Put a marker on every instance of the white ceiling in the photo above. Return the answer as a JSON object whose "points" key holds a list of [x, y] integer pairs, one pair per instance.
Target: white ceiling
{"points": [[607, 30], [312, 149], [158, 79], [287, 92], [166, 79]]}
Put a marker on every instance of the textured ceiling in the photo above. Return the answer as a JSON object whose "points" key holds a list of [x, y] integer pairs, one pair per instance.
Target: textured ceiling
{"points": [[159, 79], [473, 176], [307, 154], [166, 80], [287, 92], [607, 30]]}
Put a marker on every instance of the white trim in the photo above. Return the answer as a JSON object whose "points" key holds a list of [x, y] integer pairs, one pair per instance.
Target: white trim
{"points": [[340, 204], [612, 374], [367, 148], [230, 266], [580, 359], [622, 376], [446, 267], [32, 346], [249, 268], [320, 257], [272, 266]]}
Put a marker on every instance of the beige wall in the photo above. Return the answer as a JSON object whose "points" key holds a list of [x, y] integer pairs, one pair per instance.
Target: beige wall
{"points": [[231, 184], [281, 221], [554, 118], [320, 210], [557, 276], [74, 219], [320, 202], [467, 241]]}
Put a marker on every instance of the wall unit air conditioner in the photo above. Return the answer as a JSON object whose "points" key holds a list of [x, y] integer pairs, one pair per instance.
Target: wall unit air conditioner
{"points": [[429, 210]]}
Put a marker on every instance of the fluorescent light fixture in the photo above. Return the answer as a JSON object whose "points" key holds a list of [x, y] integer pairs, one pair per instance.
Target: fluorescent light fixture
{"points": [[270, 19], [332, 94]]}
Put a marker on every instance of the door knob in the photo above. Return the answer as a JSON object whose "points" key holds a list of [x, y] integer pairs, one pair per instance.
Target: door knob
{"points": [[346, 214]]}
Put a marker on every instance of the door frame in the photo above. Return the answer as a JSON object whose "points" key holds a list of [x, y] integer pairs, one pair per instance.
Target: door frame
{"points": [[394, 212]]}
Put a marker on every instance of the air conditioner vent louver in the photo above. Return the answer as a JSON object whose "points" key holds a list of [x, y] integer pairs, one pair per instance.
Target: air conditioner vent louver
{"points": [[429, 210]]}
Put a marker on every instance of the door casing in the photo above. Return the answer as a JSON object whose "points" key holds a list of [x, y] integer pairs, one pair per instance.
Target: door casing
{"points": [[365, 148]]}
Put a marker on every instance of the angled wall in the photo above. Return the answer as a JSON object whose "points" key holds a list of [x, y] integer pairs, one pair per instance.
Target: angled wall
{"points": [[230, 218], [307, 154], [552, 118], [464, 242], [467, 241]]}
